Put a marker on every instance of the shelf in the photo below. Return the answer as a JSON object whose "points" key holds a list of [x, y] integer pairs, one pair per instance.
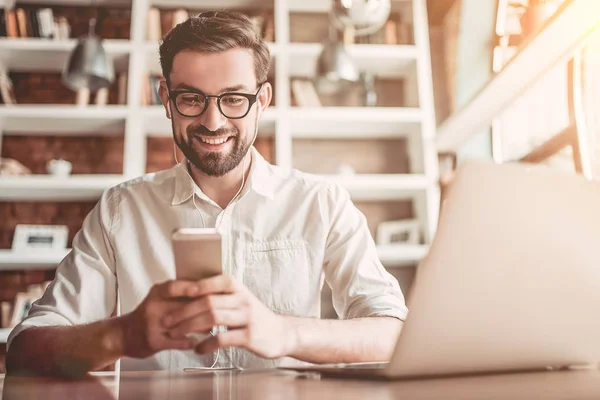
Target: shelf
{"points": [[401, 255], [153, 62], [386, 61], [31, 260], [157, 124], [62, 119], [390, 255], [48, 188], [367, 187], [322, 6], [29, 54], [354, 122], [83, 3], [214, 4], [4, 332]]}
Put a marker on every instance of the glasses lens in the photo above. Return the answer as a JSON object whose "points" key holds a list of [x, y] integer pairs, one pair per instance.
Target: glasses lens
{"points": [[234, 106], [190, 104]]}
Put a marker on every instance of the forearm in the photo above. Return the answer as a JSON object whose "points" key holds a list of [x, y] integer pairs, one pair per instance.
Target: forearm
{"points": [[66, 350], [343, 341]]}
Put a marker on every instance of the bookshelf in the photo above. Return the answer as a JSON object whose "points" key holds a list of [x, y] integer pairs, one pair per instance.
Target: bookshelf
{"points": [[410, 119]]}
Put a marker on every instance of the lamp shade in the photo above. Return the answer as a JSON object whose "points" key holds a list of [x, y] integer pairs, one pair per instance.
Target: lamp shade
{"points": [[366, 17], [88, 66], [335, 69]]}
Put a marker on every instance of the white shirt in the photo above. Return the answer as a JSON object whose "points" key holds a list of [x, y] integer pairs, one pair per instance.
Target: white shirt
{"points": [[282, 235]]}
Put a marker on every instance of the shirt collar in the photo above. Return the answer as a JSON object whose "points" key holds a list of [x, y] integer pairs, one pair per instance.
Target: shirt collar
{"points": [[259, 179]]}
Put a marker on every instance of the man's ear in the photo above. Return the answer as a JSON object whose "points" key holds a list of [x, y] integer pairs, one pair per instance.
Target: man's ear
{"points": [[163, 92], [265, 96]]}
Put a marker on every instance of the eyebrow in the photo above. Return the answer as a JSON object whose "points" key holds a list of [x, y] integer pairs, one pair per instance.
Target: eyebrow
{"points": [[235, 88]]}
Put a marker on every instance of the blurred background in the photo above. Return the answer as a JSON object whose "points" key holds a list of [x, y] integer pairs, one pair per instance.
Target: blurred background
{"points": [[386, 97]]}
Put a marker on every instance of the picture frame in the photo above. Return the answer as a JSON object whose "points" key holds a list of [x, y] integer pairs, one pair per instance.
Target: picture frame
{"points": [[398, 232], [21, 307], [35, 237]]}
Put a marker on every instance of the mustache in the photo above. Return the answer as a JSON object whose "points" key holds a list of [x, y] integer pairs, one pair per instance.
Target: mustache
{"points": [[204, 131]]}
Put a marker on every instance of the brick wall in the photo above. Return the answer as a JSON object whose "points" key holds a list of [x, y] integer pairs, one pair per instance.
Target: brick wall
{"points": [[47, 88], [89, 153]]}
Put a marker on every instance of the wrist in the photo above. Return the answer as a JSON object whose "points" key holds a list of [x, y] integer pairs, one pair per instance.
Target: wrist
{"points": [[115, 337], [290, 335]]}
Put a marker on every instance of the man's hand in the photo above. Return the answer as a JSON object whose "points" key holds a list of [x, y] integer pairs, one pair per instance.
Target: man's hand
{"points": [[223, 301], [142, 331]]}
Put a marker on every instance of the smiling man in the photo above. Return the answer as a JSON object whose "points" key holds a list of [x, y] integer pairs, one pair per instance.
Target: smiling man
{"points": [[115, 297]]}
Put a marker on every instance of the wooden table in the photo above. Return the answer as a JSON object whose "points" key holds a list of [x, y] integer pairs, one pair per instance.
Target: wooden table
{"points": [[291, 386]]}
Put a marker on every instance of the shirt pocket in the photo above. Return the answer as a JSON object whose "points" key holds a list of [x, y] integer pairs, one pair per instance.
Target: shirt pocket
{"points": [[278, 272]]}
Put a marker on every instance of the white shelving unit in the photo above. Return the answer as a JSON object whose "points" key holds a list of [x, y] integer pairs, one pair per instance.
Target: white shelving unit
{"points": [[31, 54], [20, 261], [48, 188], [56, 120], [283, 121], [393, 255]]}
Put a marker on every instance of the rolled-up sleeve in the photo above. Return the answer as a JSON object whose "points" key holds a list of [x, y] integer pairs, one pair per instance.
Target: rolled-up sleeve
{"points": [[84, 288], [360, 285]]}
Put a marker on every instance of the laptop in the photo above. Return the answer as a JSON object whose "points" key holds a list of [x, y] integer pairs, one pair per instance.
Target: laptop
{"points": [[511, 281]]}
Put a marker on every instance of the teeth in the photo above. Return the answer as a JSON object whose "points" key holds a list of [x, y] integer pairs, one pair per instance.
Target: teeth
{"points": [[214, 141]]}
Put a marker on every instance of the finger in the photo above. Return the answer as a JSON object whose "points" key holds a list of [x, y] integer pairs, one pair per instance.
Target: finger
{"points": [[201, 305], [173, 289], [235, 318], [179, 344], [231, 338], [217, 285]]}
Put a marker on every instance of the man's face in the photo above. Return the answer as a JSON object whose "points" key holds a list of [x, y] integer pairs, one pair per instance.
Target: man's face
{"points": [[212, 142]]}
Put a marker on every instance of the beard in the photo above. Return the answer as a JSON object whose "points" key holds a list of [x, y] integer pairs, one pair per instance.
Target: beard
{"points": [[215, 164]]}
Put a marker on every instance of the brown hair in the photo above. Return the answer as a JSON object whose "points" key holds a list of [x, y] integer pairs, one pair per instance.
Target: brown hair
{"points": [[215, 31]]}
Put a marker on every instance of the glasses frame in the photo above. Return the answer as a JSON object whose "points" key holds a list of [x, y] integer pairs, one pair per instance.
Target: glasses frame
{"points": [[173, 94]]}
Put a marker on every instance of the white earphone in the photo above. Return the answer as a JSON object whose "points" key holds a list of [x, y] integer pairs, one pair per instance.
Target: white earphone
{"points": [[258, 113]]}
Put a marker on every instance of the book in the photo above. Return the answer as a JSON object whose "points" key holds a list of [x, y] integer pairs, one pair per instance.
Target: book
{"points": [[304, 93], [3, 22], [46, 22], [122, 88], [12, 28], [6, 309], [32, 21], [391, 32], [179, 16], [311, 93], [22, 23], [258, 23], [269, 28], [61, 29]]}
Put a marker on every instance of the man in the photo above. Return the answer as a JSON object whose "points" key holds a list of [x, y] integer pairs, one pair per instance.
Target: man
{"points": [[282, 232]]}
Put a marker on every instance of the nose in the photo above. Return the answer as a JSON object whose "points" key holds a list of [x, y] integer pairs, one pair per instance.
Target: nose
{"points": [[212, 118]]}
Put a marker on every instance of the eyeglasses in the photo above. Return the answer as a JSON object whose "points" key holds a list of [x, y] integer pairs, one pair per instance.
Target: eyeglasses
{"points": [[193, 103]]}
